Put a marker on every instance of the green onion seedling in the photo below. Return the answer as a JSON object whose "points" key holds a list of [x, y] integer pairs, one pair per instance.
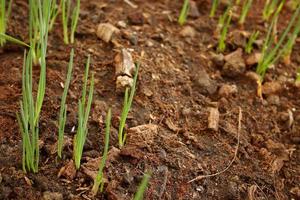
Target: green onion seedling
{"points": [[126, 108], [184, 12], [27, 118], [249, 45], [66, 9], [63, 107], [55, 8], [4, 16], [98, 182], [39, 20], [214, 7], [224, 23], [290, 43], [84, 108], [246, 6], [139, 195], [269, 8], [271, 53]]}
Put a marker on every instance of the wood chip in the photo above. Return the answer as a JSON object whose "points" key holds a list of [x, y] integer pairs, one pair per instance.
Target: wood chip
{"points": [[124, 64], [213, 119]]}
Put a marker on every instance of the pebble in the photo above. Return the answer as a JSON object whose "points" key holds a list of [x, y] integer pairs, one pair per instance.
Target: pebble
{"points": [[273, 100], [188, 31], [121, 24], [253, 59], [106, 31], [136, 18], [235, 65], [218, 59], [149, 43], [227, 90], [204, 83], [272, 87]]}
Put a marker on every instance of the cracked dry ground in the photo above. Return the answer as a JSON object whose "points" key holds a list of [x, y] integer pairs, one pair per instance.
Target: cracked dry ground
{"points": [[182, 89]]}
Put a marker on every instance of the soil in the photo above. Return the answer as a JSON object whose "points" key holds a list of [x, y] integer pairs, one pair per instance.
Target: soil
{"points": [[180, 83]]}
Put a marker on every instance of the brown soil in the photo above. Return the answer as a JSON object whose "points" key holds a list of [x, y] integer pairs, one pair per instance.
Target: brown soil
{"points": [[170, 101]]}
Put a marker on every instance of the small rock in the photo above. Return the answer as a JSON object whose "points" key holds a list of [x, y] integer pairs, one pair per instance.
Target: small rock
{"points": [[136, 18], [147, 91], [121, 24], [227, 90], [253, 59], [123, 82], [149, 43], [193, 10], [253, 76], [218, 59], [68, 171], [237, 38], [133, 39], [235, 65], [274, 100], [204, 83], [188, 31], [186, 112], [213, 119], [52, 196], [106, 31], [269, 88]]}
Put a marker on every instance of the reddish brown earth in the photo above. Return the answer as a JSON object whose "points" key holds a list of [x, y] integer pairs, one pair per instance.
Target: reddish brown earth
{"points": [[179, 82]]}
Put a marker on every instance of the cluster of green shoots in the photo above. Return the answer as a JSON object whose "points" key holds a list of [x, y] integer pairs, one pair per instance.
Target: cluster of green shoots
{"points": [[245, 9], [31, 107], [55, 8], [4, 16], [28, 118], [223, 25], [84, 107], [214, 7], [39, 20], [272, 50], [63, 107], [66, 11], [252, 39], [184, 12], [270, 7], [126, 108]]}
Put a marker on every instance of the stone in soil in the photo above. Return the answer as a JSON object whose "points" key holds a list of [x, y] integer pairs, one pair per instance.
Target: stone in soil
{"points": [[106, 31], [226, 90], [273, 87], [235, 64], [204, 84], [136, 18], [253, 59], [188, 31]]}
